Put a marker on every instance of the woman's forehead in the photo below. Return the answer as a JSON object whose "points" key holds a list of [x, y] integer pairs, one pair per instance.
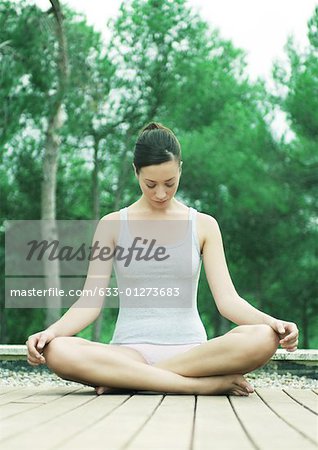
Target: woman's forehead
{"points": [[159, 174]]}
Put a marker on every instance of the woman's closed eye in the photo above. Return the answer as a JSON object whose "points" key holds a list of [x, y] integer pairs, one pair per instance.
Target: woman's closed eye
{"points": [[168, 185]]}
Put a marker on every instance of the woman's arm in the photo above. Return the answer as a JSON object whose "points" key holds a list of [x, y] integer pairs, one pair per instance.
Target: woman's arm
{"points": [[229, 303], [87, 308]]}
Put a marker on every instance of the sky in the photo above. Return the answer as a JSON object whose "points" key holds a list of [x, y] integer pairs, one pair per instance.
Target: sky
{"points": [[260, 27]]}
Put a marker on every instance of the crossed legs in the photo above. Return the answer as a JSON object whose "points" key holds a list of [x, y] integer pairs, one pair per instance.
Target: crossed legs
{"points": [[210, 368], [241, 350]]}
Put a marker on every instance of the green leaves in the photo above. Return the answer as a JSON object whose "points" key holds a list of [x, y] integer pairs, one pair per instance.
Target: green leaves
{"points": [[165, 63]]}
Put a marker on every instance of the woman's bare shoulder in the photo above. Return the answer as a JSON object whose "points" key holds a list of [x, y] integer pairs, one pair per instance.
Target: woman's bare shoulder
{"points": [[205, 225], [108, 227], [115, 215], [206, 219]]}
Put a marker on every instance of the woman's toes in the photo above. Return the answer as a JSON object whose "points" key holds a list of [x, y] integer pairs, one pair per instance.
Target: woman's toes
{"points": [[239, 393], [242, 391], [246, 386], [100, 390], [242, 384]]}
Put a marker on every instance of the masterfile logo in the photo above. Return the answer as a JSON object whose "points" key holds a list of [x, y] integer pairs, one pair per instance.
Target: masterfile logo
{"points": [[138, 267]]}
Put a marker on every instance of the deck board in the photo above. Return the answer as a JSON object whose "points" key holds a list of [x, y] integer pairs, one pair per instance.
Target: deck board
{"points": [[264, 425], [114, 428], [6, 389], [216, 421], [170, 425], [294, 414], [305, 397], [48, 418]]}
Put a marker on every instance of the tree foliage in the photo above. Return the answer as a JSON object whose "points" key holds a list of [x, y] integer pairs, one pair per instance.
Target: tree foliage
{"points": [[164, 63]]}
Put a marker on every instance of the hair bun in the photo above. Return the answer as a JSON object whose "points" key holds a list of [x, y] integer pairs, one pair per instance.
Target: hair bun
{"points": [[152, 126]]}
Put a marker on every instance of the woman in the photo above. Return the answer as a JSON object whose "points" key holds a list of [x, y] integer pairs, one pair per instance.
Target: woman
{"points": [[154, 347]]}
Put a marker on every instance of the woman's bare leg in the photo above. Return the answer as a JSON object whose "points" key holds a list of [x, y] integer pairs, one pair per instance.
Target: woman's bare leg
{"points": [[241, 350], [130, 352], [105, 366]]}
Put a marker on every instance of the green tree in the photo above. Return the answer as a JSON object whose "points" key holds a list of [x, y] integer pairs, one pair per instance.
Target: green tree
{"points": [[298, 97]]}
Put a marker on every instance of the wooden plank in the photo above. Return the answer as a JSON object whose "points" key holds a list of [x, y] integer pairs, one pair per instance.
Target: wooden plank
{"points": [[170, 427], [64, 418], [305, 397], [27, 422], [42, 395], [47, 394], [265, 428], [31, 394], [117, 427], [293, 414], [6, 389], [17, 394], [214, 418], [153, 421], [12, 409]]}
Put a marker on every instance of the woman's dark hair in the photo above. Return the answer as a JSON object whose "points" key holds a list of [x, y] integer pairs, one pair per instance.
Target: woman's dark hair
{"points": [[156, 144]]}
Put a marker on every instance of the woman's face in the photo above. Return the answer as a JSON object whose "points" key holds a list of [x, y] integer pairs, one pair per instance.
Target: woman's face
{"points": [[159, 182]]}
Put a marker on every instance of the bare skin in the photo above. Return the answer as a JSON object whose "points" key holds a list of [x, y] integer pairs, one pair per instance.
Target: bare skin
{"points": [[202, 370], [215, 367], [92, 363]]}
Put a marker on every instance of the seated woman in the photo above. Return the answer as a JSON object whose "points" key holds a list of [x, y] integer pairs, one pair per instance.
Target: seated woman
{"points": [[159, 342]]}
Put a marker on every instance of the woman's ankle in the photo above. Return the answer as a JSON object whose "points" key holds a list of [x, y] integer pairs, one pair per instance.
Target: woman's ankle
{"points": [[192, 385]]}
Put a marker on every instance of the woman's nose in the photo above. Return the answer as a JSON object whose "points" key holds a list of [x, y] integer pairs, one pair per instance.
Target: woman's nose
{"points": [[161, 194]]}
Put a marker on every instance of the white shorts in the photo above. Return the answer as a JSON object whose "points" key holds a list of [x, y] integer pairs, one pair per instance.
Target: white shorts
{"points": [[154, 353]]}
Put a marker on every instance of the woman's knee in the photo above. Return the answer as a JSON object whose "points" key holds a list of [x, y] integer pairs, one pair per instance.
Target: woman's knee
{"points": [[56, 354], [261, 344], [262, 331], [265, 343]]}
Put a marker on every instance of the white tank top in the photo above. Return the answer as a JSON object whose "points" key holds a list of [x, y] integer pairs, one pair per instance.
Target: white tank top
{"points": [[145, 316]]}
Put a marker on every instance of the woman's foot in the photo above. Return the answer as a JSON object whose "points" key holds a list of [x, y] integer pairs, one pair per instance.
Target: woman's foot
{"points": [[232, 384], [100, 390]]}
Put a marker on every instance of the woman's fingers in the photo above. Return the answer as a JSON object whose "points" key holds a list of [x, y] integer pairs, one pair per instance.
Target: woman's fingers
{"points": [[291, 347], [35, 361], [288, 339], [32, 348], [34, 357], [291, 341], [291, 336]]}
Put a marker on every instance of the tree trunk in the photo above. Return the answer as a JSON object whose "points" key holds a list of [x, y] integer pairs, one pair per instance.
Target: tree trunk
{"points": [[50, 164], [123, 171], [305, 325], [95, 181], [97, 325]]}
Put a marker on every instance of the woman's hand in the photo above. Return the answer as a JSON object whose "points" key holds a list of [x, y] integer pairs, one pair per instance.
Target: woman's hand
{"points": [[288, 333], [35, 345]]}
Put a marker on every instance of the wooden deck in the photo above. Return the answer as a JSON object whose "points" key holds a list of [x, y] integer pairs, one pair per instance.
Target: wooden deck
{"points": [[69, 418]]}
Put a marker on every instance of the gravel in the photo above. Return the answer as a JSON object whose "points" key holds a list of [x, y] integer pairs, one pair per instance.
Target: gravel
{"points": [[20, 373], [262, 379]]}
